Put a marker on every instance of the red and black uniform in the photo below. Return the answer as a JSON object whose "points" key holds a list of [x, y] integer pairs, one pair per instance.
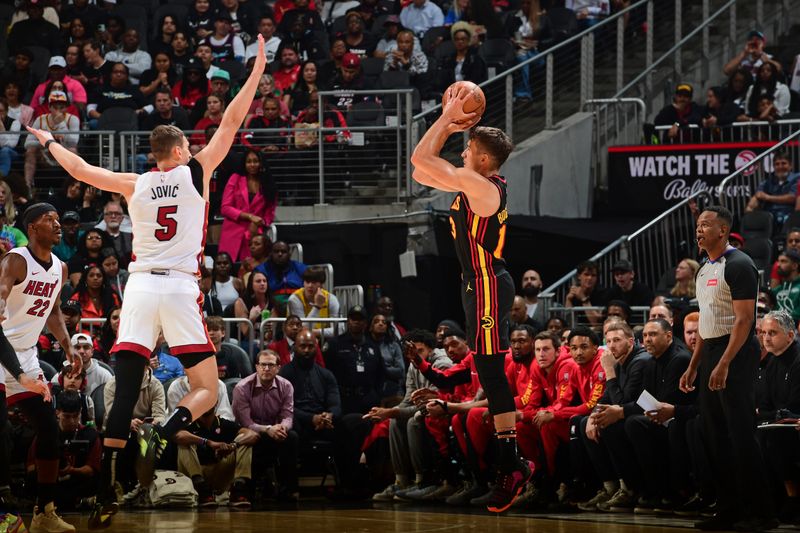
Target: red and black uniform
{"points": [[586, 387], [480, 429], [487, 291], [544, 391]]}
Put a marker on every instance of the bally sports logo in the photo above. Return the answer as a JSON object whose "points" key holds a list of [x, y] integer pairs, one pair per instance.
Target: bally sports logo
{"points": [[743, 159]]}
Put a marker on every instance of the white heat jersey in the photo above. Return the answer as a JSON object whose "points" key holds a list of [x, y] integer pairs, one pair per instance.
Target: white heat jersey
{"points": [[30, 302], [169, 218]]}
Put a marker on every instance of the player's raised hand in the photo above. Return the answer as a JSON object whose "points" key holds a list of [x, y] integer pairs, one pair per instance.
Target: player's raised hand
{"points": [[74, 360], [453, 110], [36, 386], [41, 135], [261, 56]]}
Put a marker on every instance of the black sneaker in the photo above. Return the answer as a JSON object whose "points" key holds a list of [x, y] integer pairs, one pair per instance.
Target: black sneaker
{"points": [[756, 525], [151, 446], [102, 514], [664, 507], [239, 496], [715, 523], [646, 505], [710, 511], [693, 506], [508, 487], [790, 511]]}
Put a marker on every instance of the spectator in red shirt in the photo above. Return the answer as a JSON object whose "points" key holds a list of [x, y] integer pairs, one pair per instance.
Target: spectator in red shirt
{"points": [[44, 107], [285, 347], [287, 74], [94, 293], [271, 119], [193, 86], [215, 107]]}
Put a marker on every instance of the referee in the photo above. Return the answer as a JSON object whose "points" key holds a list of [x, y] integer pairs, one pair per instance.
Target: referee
{"points": [[725, 360]]}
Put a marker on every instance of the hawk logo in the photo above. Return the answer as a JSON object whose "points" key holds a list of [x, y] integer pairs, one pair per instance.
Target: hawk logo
{"points": [[487, 322], [456, 203]]}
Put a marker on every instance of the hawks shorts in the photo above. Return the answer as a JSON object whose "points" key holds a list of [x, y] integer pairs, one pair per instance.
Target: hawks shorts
{"points": [[166, 301], [487, 303]]}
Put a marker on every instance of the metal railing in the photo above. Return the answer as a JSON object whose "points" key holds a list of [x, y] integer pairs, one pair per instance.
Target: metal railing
{"points": [[755, 131], [747, 178], [96, 324], [268, 327], [349, 295], [658, 246], [576, 316]]}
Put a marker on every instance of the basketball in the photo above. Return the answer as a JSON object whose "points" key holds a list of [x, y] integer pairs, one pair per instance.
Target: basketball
{"points": [[476, 103]]}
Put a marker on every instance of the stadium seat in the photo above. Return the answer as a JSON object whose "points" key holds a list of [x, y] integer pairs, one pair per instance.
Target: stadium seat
{"points": [[135, 16], [760, 250], [444, 50], [349, 295], [48, 370], [318, 455], [41, 57], [296, 251], [372, 67], [242, 357], [230, 384], [235, 69], [430, 40], [497, 53], [104, 365], [366, 113], [756, 224], [118, 119]]}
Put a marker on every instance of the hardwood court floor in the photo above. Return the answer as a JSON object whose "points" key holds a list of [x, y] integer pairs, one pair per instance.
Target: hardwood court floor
{"points": [[315, 517]]}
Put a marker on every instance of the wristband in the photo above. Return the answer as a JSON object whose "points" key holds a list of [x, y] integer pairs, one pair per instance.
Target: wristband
{"points": [[49, 141]]}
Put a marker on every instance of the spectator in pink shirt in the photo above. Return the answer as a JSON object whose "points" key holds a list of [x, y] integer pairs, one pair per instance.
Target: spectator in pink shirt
{"points": [[57, 70], [248, 206]]}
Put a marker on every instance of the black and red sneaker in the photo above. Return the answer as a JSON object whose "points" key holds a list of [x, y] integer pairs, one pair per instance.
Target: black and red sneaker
{"points": [[508, 486]]}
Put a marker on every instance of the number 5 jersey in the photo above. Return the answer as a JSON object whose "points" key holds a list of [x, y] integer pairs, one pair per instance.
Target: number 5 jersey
{"points": [[169, 215]]}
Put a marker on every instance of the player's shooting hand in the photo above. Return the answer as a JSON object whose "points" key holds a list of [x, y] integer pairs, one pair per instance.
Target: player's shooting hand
{"points": [[261, 57], [453, 111], [36, 386], [41, 135]]}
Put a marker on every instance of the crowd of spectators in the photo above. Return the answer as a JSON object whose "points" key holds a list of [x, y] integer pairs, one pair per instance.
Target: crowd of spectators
{"points": [[756, 88]]}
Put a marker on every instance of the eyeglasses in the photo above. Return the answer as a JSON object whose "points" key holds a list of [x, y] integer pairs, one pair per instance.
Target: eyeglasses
{"points": [[93, 237], [113, 213], [267, 365]]}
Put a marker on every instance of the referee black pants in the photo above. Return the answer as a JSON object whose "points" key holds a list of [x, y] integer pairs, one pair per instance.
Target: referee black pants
{"points": [[729, 424]]}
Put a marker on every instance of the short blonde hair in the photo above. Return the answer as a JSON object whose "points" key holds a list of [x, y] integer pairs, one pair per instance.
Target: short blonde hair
{"points": [[163, 139]]}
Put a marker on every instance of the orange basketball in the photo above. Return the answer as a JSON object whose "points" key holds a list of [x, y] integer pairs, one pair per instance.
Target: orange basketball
{"points": [[476, 103]]}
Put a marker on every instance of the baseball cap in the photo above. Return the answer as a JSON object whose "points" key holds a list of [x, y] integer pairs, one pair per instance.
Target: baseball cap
{"points": [[392, 19], [220, 74], [81, 338], [357, 312], [622, 265], [353, 13], [684, 88], [756, 33], [736, 237], [57, 61], [71, 306], [793, 255], [70, 215], [223, 15], [194, 64], [351, 60], [58, 96]]}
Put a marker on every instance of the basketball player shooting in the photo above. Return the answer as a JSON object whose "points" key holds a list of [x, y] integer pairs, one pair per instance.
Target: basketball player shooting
{"points": [[478, 225], [169, 212]]}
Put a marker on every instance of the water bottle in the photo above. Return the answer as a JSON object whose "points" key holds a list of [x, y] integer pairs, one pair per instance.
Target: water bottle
{"points": [[265, 314]]}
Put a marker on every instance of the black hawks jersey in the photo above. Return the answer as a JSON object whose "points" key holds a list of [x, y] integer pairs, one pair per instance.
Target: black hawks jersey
{"points": [[479, 240]]}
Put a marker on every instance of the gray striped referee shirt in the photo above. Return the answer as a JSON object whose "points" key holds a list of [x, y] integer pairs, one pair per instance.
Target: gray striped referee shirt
{"points": [[731, 277]]}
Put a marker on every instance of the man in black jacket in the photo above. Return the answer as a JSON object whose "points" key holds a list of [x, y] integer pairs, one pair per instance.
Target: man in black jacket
{"points": [[781, 399], [603, 432], [665, 468], [680, 114]]}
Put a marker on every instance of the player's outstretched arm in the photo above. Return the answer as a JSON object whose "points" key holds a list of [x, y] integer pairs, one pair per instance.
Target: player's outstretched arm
{"points": [[212, 155], [432, 170], [120, 182]]}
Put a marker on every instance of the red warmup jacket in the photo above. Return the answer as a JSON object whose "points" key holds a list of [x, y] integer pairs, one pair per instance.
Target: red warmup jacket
{"points": [[589, 382], [460, 380], [547, 390], [519, 375]]}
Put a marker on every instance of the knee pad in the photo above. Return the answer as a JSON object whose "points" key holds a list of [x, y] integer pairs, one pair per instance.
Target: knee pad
{"points": [[128, 377], [491, 371]]}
